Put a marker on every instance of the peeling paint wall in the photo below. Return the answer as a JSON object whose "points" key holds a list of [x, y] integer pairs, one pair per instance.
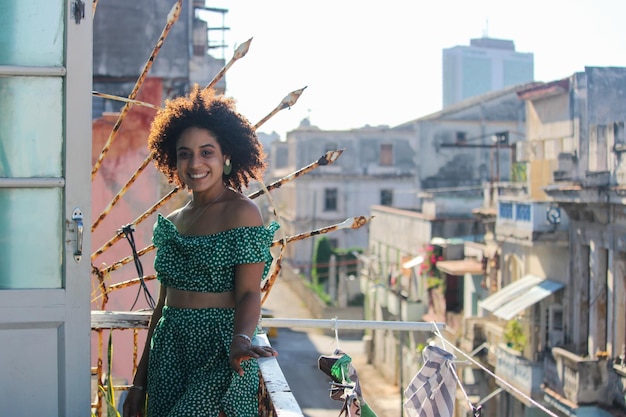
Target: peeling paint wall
{"points": [[125, 32], [128, 151]]}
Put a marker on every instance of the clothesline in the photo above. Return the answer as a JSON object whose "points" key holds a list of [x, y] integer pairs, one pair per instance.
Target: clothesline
{"points": [[336, 324], [496, 377]]}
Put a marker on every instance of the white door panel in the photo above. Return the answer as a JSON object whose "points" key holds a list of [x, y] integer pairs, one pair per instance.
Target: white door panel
{"points": [[45, 167]]}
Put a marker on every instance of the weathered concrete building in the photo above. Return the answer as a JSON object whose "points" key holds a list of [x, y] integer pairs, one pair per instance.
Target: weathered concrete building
{"points": [[559, 265], [125, 34], [377, 166], [587, 111], [550, 295], [470, 142]]}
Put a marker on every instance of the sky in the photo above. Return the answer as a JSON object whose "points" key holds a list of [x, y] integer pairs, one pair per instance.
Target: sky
{"points": [[366, 62]]}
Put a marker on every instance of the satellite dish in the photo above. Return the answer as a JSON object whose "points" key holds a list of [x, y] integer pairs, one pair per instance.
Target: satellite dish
{"points": [[554, 215]]}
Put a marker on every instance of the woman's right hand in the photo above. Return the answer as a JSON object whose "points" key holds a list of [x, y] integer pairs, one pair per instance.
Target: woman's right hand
{"points": [[134, 403]]}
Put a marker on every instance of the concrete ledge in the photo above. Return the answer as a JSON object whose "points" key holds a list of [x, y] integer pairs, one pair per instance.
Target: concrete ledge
{"points": [[276, 398]]}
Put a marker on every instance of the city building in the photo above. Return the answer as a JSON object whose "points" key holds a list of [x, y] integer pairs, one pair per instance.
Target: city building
{"points": [[552, 326], [487, 64], [545, 313], [577, 124], [125, 35], [469, 143], [427, 262], [377, 166]]}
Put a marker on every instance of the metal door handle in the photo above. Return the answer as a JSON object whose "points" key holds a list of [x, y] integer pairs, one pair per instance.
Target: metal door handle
{"points": [[77, 216]]}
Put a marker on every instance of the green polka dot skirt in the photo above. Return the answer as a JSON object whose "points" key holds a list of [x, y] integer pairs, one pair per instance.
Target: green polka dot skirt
{"points": [[188, 372]]}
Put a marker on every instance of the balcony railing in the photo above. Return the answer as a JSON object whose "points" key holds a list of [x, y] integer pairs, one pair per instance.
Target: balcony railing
{"points": [[473, 334], [494, 336], [525, 375], [579, 380], [275, 396]]}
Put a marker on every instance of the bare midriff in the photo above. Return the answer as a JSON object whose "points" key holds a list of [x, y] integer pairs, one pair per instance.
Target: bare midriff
{"points": [[194, 299]]}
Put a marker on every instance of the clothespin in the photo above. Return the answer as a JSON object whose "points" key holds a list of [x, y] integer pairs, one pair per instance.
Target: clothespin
{"points": [[336, 330]]}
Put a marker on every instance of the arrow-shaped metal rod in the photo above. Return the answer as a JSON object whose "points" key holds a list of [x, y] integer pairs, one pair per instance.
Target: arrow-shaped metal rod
{"points": [[351, 223], [120, 193], [289, 100], [240, 52], [125, 100], [172, 17], [138, 220], [327, 159]]}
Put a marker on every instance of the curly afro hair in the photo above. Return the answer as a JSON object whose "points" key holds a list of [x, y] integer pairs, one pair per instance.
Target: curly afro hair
{"points": [[202, 108]]}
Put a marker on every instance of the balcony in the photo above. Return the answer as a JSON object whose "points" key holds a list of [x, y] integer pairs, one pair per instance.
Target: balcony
{"points": [[473, 333], [275, 396], [576, 379], [494, 336], [531, 220], [525, 375]]}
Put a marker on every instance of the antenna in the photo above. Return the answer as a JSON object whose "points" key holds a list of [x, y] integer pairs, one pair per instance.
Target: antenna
{"points": [[486, 29]]}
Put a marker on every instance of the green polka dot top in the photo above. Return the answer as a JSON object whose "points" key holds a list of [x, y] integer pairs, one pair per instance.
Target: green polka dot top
{"points": [[207, 263]]}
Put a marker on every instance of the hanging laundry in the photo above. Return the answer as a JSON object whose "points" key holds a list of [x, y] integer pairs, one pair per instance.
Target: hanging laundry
{"points": [[345, 385], [432, 390]]}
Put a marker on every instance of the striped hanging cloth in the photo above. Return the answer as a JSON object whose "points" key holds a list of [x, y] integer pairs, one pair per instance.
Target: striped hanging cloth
{"points": [[432, 391]]}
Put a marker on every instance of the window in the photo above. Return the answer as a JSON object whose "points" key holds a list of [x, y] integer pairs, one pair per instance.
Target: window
{"points": [[330, 199], [386, 197], [505, 211], [522, 212], [555, 326], [461, 137], [386, 154], [454, 293]]}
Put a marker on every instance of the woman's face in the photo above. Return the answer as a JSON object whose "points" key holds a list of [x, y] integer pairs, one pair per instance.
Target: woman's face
{"points": [[199, 159]]}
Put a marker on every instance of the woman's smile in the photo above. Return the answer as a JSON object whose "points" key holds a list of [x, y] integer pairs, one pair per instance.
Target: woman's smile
{"points": [[199, 159]]}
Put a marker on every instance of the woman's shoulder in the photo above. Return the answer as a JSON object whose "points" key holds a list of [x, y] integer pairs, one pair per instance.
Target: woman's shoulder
{"points": [[241, 211], [173, 216]]}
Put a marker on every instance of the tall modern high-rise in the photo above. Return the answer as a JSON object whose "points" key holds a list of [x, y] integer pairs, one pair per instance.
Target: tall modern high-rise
{"points": [[487, 64]]}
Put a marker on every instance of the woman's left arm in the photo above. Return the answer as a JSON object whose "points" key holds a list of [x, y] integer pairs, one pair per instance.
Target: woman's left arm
{"points": [[247, 315]]}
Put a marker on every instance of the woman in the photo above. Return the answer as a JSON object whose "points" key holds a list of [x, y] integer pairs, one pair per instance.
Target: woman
{"points": [[211, 257]]}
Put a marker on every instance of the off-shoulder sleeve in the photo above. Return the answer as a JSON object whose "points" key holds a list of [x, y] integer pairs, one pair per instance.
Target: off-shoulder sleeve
{"points": [[163, 231], [252, 245]]}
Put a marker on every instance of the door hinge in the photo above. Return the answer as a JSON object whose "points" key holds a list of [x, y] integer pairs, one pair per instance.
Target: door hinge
{"points": [[78, 10]]}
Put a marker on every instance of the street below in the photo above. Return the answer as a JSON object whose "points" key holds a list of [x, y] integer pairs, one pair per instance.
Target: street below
{"points": [[299, 350]]}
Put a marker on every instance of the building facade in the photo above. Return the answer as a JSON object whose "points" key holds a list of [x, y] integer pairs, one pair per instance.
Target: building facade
{"points": [[588, 113], [487, 64], [377, 166], [545, 312], [553, 323], [125, 34]]}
